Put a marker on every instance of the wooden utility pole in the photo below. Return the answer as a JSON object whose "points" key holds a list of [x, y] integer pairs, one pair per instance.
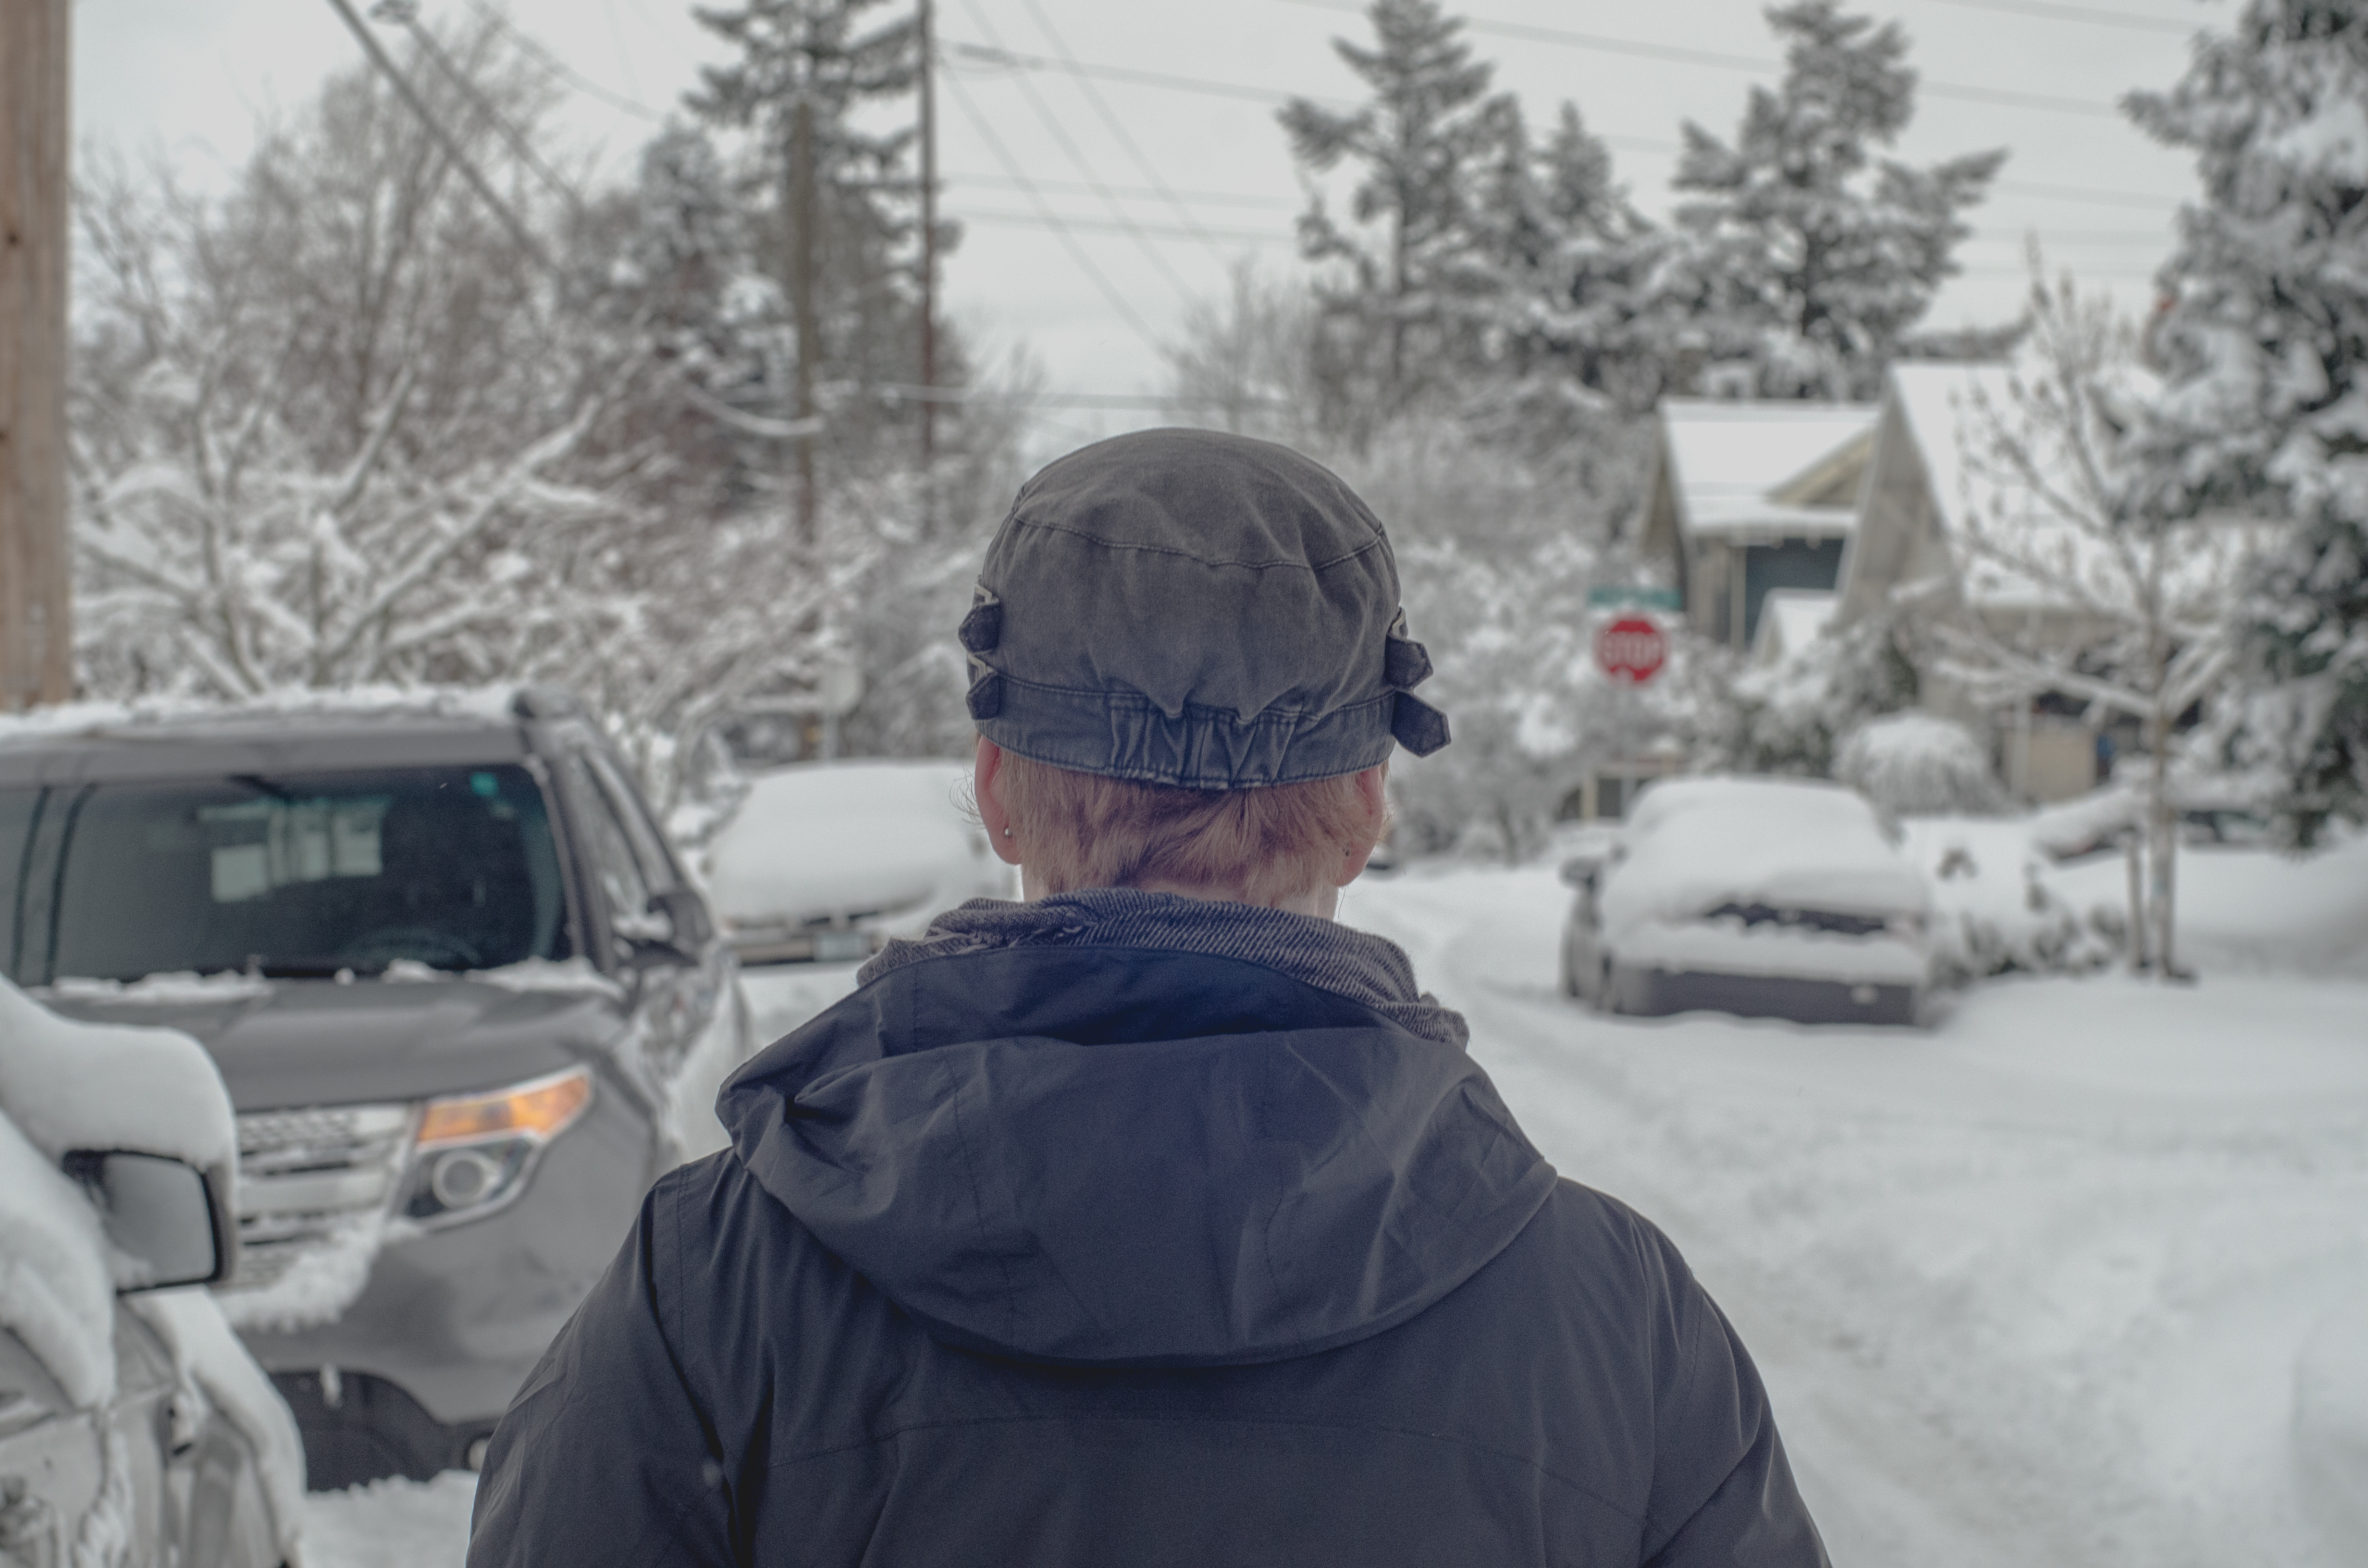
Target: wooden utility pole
{"points": [[801, 297], [36, 607], [929, 238]]}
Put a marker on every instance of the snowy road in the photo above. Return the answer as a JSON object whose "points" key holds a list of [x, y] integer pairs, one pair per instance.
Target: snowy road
{"points": [[2027, 1287]]}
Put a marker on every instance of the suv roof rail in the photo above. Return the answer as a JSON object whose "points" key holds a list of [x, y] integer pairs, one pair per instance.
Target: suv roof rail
{"points": [[546, 702]]}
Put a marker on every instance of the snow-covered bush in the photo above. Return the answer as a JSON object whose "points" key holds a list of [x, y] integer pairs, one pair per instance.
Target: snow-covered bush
{"points": [[1995, 909], [1915, 763], [1789, 716]]}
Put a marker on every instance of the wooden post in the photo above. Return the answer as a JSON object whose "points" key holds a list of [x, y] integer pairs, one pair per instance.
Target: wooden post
{"points": [[36, 607]]}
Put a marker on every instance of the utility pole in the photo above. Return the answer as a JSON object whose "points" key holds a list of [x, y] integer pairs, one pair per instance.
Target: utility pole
{"points": [[929, 240], [36, 605], [802, 296]]}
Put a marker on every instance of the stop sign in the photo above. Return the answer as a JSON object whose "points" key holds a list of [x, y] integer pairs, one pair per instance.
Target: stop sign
{"points": [[1631, 650]]}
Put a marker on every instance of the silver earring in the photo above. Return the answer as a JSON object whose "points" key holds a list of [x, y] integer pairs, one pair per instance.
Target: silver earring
{"points": [[1007, 833]]}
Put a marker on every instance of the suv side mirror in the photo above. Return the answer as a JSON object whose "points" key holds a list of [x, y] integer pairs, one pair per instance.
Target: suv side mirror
{"points": [[686, 915], [159, 1212]]}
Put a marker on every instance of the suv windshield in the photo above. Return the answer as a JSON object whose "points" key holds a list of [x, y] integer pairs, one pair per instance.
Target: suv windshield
{"points": [[300, 874]]}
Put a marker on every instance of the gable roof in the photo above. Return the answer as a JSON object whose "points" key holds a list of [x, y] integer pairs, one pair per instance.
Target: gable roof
{"points": [[1772, 469]]}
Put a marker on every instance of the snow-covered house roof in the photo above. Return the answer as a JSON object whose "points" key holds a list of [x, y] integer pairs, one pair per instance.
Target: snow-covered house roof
{"points": [[1790, 620], [1936, 511], [1757, 472]]}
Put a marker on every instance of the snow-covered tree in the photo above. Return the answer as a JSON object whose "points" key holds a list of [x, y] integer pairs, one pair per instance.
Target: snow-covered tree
{"points": [[342, 426], [1793, 716], [2072, 576], [1247, 363], [1804, 258], [1397, 275], [2265, 352]]}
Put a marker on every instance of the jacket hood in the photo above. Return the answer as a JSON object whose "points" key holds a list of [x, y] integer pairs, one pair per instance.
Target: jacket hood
{"points": [[1107, 1155]]}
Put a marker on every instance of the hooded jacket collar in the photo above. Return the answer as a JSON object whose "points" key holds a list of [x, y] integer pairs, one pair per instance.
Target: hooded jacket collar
{"points": [[1105, 1155]]}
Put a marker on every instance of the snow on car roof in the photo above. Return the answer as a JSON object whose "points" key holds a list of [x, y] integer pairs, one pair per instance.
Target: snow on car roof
{"points": [[475, 707], [1694, 844], [819, 839]]}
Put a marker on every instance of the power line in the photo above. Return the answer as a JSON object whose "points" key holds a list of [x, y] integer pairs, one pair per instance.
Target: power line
{"points": [[1060, 135], [443, 138], [1657, 145], [1605, 44], [1118, 302], [1206, 197], [1103, 225], [406, 14], [561, 69], [2082, 14], [1117, 130]]}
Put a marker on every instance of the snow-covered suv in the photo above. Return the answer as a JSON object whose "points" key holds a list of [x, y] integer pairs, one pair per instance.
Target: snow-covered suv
{"points": [[466, 1000]]}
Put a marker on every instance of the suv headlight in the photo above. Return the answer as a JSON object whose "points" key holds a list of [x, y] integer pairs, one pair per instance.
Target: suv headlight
{"points": [[473, 1152]]}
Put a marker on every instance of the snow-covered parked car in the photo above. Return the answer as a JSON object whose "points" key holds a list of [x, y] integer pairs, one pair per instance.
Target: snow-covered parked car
{"points": [[826, 860], [134, 1429], [465, 999], [1783, 897]]}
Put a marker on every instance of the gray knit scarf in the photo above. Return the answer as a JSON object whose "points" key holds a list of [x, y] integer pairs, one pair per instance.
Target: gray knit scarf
{"points": [[1355, 964]]}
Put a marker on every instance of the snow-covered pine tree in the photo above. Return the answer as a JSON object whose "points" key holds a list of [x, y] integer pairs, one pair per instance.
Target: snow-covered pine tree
{"points": [[2264, 345], [1804, 258], [1396, 296]]}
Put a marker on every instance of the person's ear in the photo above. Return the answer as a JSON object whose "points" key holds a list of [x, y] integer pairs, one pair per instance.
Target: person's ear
{"points": [[986, 780], [1372, 792]]}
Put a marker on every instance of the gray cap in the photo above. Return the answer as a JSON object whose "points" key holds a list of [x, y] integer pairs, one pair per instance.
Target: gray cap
{"points": [[1194, 608]]}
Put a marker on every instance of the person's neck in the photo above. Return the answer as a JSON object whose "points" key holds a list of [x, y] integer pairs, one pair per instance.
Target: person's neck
{"points": [[1318, 903]]}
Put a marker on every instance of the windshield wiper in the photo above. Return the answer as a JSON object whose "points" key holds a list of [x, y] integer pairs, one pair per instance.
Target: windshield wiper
{"points": [[307, 968]]}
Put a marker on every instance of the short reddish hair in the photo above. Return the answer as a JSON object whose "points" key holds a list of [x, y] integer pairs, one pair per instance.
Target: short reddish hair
{"points": [[1260, 846]]}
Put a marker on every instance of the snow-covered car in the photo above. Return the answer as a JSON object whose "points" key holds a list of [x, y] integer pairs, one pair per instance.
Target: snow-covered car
{"points": [[465, 999], [1781, 898], [134, 1428], [826, 860]]}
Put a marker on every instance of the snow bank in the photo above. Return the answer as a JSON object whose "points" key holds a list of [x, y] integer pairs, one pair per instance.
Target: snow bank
{"points": [[207, 1357], [1694, 844], [54, 1290], [817, 840], [392, 1524], [69, 1085], [2250, 910], [2330, 1423], [1916, 762]]}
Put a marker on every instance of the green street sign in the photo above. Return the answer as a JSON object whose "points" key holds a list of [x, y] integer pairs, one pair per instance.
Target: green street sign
{"points": [[1642, 598]]}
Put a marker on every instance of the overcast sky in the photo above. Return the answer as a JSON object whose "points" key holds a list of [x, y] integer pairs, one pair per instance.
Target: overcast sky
{"points": [[1193, 88]]}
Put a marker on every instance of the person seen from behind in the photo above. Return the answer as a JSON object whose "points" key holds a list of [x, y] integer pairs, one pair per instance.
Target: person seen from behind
{"points": [[1156, 1219]]}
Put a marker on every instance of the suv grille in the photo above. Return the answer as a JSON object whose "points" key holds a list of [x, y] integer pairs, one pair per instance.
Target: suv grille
{"points": [[304, 1175]]}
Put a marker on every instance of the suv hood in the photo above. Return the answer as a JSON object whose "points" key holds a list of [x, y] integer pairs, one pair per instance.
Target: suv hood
{"points": [[304, 1042], [1099, 1155]]}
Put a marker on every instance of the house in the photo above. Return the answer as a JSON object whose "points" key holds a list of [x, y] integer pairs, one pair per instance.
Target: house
{"points": [[1749, 499], [1940, 534]]}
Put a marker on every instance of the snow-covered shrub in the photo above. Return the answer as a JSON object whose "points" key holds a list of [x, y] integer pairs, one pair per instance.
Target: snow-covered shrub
{"points": [[1789, 716], [1917, 764], [1996, 908]]}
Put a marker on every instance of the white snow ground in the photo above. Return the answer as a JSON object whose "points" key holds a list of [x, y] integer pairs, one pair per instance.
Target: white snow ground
{"points": [[2046, 1283]]}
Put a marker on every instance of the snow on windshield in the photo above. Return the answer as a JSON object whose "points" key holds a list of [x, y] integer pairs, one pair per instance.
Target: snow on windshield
{"points": [[1696, 843]]}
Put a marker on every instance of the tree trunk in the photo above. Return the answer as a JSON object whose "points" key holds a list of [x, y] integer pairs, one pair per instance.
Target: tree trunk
{"points": [[2133, 859], [2162, 828], [801, 303]]}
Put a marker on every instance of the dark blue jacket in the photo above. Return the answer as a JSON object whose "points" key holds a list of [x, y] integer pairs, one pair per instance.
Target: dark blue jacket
{"points": [[1099, 1257]]}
